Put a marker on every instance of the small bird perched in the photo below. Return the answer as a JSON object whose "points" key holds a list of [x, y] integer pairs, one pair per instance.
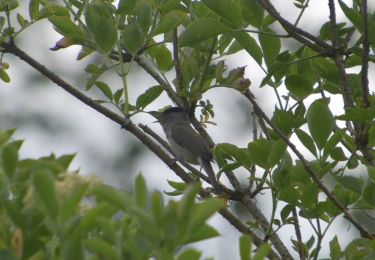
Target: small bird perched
{"points": [[186, 143]]}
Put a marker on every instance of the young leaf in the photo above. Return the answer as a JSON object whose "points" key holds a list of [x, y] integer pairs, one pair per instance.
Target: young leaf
{"points": [[141, 191], [320, 122], [105, 89], [306, 140]]}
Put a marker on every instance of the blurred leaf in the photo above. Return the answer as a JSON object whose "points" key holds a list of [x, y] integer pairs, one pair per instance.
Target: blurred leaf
{"points": [[245, 247], [202, 232], [8, 5], [126, 6], [202, 29], [320, 122], [44, 184], [189, 254], [149, 96], [33, 9], [221, 7], [72, 200], [205, 210], [4, 76], [354, 16], [141, 191], [369, 193], [10, 160], [262, 252], [360, 248], [100, 247]]}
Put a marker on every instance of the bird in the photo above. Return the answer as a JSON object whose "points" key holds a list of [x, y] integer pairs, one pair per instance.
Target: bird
{"points": [[187, 144]]}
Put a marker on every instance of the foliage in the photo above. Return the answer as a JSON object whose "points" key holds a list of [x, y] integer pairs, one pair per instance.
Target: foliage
{"points": [[193, 39]]}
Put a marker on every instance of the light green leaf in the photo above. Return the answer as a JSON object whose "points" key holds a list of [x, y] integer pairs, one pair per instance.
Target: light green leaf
{"points": [[259, 151], [141, 191], [72, 200], [190, 254], [320, 122], [270, 45], [33, 9], [100, 247], [245, 247], [99, 21], [350, 182], [335, 250], [133, 37], [105, 89], [202, 29], [4, 76]]}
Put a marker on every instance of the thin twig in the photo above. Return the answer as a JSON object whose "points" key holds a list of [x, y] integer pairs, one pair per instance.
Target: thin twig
{"points": [[298, 234], [307, 167], [180, 82], [365, 57]]}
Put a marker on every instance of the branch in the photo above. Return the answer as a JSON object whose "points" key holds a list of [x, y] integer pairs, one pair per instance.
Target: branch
{"points": [[307, 167], [176, 60], [365, 57], [297, 33]]}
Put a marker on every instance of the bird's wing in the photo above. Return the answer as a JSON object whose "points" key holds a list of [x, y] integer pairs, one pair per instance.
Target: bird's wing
{"points": [[195, 143]]}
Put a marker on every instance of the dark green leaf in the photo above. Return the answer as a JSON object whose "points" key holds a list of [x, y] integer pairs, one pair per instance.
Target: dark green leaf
{"points": [[148, 97], [320, 121], [245, 247], [338, 154], [99, 20], [66, 27], [252, 12], [369, 193], [298, 86], [259, 151], [202, 29], [10, 160], [284, 120], [222, 7], [354, 16], [250, 45], [126, 6], [277, 152]]}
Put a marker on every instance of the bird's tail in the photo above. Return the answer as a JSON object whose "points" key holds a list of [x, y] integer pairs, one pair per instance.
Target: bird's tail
{"points": [[211, 175]]}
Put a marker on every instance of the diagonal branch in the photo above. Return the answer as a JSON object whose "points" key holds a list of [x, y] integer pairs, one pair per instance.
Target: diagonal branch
{"points": [[307, 167]]}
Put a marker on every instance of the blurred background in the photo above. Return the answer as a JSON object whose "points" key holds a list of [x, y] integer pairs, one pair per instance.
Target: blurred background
{"points": [[51, 120]]}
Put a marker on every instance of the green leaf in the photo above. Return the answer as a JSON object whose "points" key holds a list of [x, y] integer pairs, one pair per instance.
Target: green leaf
{"points": [[245, 247], [369, 193], [306, 140], [126, 6], [170, 20], [21, 20], [100, 247], [298, 86], [72, 200], [354, 16], [66, 27], [270, 45], [10, 159], [203, 232], [33, 9], [71, 245], [335, 250], [277, 152], [141, 191], [149, 96], [105, 89], [205, 210], [289, 194], [44, 184], [259, 151], [371, 172], [202, 29], [250, 45], [99, 21], [320, 122], [8, 5], [177, 185], [338, 154], [113, 196], [52, 9], [4, 76], [253, 13], [190, 254], [262, 252], [284, 120], [133, 37], [222, 7], [309, 196]]}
